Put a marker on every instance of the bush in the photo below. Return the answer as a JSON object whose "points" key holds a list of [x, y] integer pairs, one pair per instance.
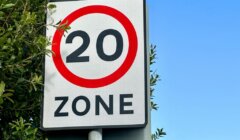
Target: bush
{"points": [[22, 50]]}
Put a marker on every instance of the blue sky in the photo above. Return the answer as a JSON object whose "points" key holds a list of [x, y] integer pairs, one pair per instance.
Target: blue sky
{"points": [[198, 48]]}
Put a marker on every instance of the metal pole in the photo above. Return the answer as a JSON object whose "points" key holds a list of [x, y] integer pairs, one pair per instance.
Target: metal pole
{"points": [[95, 134]]}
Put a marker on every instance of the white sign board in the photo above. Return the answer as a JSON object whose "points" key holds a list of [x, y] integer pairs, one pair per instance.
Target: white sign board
{"points": [[97, 74]]}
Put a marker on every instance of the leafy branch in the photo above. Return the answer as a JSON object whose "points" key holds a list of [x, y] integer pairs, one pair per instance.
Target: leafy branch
{"points": [[154, 78]]}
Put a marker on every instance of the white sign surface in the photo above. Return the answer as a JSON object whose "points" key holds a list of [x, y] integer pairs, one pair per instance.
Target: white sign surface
{"points": [[96, 76]]}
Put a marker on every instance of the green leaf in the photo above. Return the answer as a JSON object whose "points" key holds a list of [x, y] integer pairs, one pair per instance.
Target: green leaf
{"points": [[58, 22], [1, 100], [51, 6], [2, 87], [9, 5], [2, 13], [10, 99], [154, 106], [20, 80], [159, 133], [7, 96]]}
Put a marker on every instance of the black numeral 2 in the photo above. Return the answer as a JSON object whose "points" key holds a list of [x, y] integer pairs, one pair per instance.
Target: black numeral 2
{"points": [[76, 55]]}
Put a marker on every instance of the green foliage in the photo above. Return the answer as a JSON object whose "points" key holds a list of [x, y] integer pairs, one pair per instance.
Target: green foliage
{"points": [[154, 77], [21, 130], [159, 133], [7, 94], [152, 54], [22, 49]]}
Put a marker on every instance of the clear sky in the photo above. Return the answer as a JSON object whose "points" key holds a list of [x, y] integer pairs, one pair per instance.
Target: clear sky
{"points": [[198, 48]]}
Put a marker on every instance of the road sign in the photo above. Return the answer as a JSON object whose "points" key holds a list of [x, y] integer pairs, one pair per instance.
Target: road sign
{"points": [[97, 74]]}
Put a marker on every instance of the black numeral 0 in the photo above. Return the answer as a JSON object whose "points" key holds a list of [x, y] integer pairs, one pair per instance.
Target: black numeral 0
{"points": [[75, 56], [119, 42]]}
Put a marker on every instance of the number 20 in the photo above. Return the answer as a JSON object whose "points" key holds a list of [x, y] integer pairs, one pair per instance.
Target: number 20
{"points": [[75, 56]]}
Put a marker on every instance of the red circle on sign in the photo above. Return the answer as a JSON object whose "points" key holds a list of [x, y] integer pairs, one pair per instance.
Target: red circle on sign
{"points": [[95, 83]]}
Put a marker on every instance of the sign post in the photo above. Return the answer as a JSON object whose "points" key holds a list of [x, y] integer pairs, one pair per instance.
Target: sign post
{"points": [[97, 76], [95, 134]]}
